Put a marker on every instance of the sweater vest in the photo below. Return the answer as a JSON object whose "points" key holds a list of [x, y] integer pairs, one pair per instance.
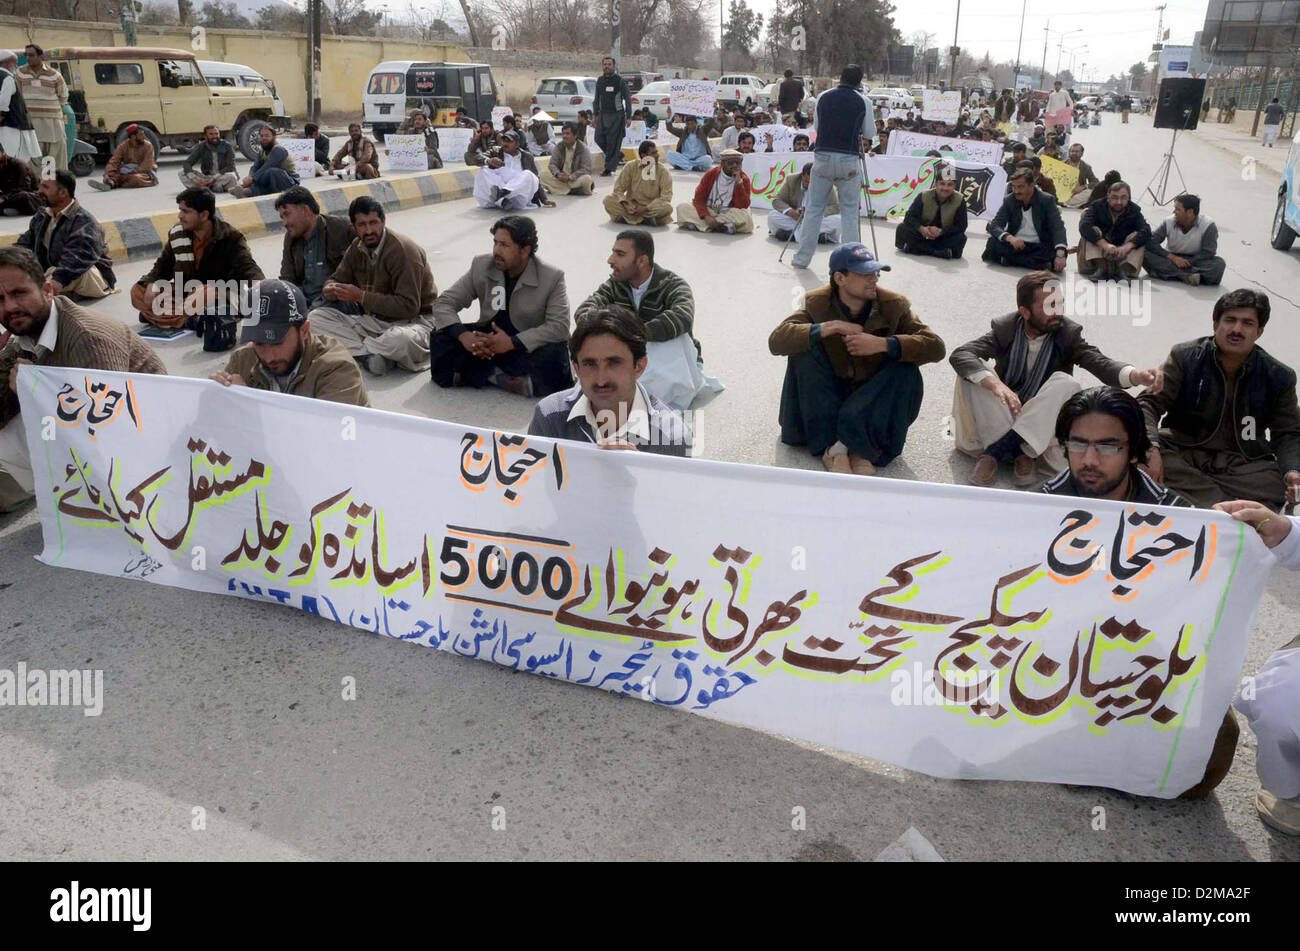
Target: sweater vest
{"points": [[1176, 242]]}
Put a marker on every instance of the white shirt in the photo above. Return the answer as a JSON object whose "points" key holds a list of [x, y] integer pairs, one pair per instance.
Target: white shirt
{"points": [[49, 336], [731, 137], [1287, 551], [637, 422], [1027, 230], [638, 290], [1057, 100], [511, 161]]}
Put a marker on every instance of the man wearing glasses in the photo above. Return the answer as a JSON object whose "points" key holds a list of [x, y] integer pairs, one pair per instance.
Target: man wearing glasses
{"points": [[1007, 412], [1104, 436]]}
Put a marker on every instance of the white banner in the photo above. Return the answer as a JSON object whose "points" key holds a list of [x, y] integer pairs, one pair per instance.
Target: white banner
{"points": [[962, 632], [453, 142], [895, 181], [634, 134], [902, 142], [782, 137], [693, 97], [939, 106], [303, 153], [498, 116], [406, 153]]}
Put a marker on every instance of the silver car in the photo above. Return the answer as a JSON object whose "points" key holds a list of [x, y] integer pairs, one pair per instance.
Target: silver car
{"points": [[565, 96]]}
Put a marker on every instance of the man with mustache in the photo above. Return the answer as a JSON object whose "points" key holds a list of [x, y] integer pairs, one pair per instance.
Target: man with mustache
{"points": [[1006, 413], [1226, 426], [357, 150]]}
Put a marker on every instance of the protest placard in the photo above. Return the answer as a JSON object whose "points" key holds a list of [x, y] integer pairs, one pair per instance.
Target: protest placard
{"points": [[1063, 117], [406, 153], [942, 107], [303, 153], [1064, 176], [634, 134], [498, 114], [693, 97], [782, 137], [1098, 643], [902, 142], [452, 143]]}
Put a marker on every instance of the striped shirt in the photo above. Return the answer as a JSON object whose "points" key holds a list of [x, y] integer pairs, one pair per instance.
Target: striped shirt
{"points": [[45, 92], [1141, 488]]}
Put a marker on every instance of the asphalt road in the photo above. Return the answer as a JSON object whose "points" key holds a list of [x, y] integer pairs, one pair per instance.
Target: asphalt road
{"points": [[235, 706]]}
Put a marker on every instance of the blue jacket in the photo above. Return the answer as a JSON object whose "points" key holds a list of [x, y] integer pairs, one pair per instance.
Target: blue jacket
{"points": [[843, 116]]}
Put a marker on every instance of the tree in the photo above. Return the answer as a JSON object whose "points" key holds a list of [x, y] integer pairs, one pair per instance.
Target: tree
{"points": [[743, 27], [350, 18], [1137, 73], [678, 37], [216, 13], [158, 14], [280, 19], [1066, 78]]}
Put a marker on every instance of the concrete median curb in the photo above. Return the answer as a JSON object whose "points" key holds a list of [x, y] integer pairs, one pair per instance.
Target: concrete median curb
{"points": [[135, 239]]}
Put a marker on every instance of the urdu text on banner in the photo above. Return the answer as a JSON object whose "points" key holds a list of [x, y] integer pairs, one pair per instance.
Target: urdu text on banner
{"points": [[961, 632]]}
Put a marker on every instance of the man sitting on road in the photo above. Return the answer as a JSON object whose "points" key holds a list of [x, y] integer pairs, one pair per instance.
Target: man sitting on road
{"points": [[1104, 437], [609, 406], [569, 169], [1185, 247], [935, 223], [281, 354], [643, 191], [1008, 412], [320, 147], [1017, 156], [388, 275], [665, 306], [314, 245], [1087, 179], [1231, 426], [68, 242], [357, 152], [50, 331], [852, 382], [197, 281], [132, 164], [215, 158], [508, 178], [731, 134], [1027, 231], [483, 144], [721, 201], [420, 126], [1114, 234], [538, 136], [520, 339], [788, 208], [692, 153], [19, 187], [273, 172]]}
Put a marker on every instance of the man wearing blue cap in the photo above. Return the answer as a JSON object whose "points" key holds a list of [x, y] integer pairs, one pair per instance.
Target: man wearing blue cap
{"points": [[281, 354], [852, 384]]}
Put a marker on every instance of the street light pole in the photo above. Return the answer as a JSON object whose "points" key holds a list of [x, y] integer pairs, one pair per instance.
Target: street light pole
{"points": [[1015, 78], [1042, 73], [952, 72], [722, 40]]}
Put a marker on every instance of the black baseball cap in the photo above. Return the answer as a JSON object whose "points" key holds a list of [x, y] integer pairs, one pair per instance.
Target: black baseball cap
{"points": [[276, 306]]}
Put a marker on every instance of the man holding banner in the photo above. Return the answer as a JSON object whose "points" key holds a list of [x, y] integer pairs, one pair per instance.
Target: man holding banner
{"points": [[844, 122]]}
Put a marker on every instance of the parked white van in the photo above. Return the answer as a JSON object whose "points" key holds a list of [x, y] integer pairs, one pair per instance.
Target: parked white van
{"points": [[233, 74]]}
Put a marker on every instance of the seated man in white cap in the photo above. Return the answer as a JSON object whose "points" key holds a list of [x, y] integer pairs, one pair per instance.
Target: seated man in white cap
{"points": [[281, 354], [539, 140], [508, 178], [721, 201]]}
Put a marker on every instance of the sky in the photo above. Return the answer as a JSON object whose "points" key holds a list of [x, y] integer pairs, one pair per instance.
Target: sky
{"points": [[1116, 34]]}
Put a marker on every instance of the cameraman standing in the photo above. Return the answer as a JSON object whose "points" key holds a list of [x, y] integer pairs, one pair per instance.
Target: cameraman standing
{"points": [[613, 108], [846, 127]]}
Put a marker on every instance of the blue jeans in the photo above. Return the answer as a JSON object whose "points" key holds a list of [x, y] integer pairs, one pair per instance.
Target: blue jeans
{"points": [[678, 160], [844, 172]]}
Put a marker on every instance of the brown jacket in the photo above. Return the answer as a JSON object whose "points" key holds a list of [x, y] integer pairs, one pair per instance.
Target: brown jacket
{"points": [[398, 285], [88, 340], [128, 152], [890, 316], [338, 235], [325, 372], [363, 153]]}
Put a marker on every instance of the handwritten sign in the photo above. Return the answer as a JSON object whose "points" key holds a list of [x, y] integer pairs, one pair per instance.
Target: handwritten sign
{"points": [[498, 116], [453, 142], [1063, 117], [903, 142], [303, 153], [782, 137], [1065, 176], [693, 97], [942, 107], [1099, 643], [406, 153], [634, 134], [896, 180]]}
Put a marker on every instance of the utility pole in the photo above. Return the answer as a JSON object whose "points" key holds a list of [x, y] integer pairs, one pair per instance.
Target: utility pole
{"points": [[128, 22], [722, 40], [313, 84], [615, 30], [1042, 75], [952, 72], [1160, 42], [1015, 78]]}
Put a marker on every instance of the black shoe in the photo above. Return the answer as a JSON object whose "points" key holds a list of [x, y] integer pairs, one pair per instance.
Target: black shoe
{"points": [[606, 172], [946, 254]]}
